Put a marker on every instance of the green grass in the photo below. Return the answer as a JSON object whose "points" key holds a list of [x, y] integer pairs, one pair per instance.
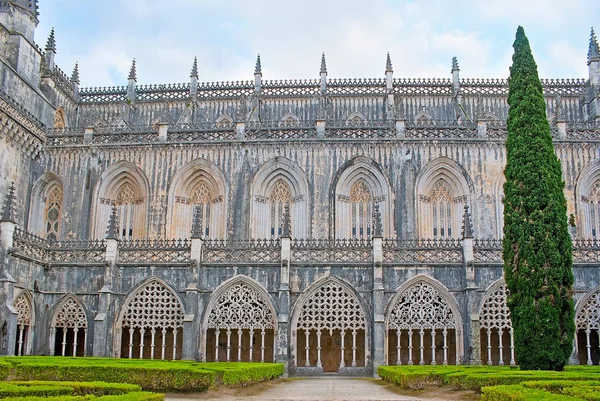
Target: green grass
{"points": [[499, 383]]}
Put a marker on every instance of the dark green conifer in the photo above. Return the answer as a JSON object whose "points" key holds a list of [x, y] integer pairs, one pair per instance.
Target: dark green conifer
{"points": [[537, 246]]}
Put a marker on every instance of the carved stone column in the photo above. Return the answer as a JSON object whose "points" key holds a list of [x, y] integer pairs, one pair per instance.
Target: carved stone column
{"points": [[378, 305], [283, 316]]}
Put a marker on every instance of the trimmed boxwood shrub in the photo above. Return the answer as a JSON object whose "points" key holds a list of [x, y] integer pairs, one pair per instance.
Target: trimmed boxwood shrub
{"points": [[85, 388], [520, 393], [14, 390], [5, 367]]}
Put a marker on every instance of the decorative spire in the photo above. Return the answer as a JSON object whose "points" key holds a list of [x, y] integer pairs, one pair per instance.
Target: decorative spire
{"points": [[286, 230], [388, 64], [258, 67], [133, 72], [9, 210], [75, 75], [455, 64], [51, 43], [194, 73], [323, 65], [593, 51], [377, 226], [197, 222], [467, 228], [112, 232]]}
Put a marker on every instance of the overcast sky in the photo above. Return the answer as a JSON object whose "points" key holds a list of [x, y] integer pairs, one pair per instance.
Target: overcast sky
{"points": [[226, 35]]}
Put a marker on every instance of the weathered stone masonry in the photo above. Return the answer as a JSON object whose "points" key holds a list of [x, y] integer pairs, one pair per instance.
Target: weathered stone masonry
{"points": [[333, 225]]}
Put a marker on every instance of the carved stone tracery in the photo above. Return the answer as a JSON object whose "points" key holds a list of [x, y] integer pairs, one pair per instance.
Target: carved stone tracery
{"points": [[241, 307], [422, 307], [495, 313], [71, 315], [23, 308], [153, 307]]}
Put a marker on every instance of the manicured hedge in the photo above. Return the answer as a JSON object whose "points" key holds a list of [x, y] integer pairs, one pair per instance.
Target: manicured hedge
{"points": [[135, 396], [176, 376], [85, 388], [520, 393], [5, 368], [14, 390]]}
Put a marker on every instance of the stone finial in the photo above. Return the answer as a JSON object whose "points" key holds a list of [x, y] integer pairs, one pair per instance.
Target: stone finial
{"points": [[388, 64], [377, 225], [258, 67], [51, 43], [194, 73], [593, 50], [286, 230], [197, 223], [9, 209], [133, 72], [323, 65], [467, 228], [75, 75], [112, 231], [455, 64]]}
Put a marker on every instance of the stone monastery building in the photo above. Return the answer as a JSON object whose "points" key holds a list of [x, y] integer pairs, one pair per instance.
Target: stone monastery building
{"points": [[331, 224]]}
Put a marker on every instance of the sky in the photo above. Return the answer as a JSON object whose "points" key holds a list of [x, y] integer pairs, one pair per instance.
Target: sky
{"points": [[422, 36]]}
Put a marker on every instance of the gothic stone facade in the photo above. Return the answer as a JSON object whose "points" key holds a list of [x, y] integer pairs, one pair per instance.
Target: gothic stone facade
{"points": [[333, 225]]}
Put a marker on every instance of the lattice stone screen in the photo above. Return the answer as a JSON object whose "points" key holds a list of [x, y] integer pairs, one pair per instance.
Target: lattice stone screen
{"points": [[243, 310], [24, 313], [331, 308], [152, 316], [70, 325], [421, 310], [495, 318], [588, 328]]}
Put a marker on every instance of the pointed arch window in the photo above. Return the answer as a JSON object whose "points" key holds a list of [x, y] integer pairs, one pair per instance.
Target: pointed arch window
{"points": [[441, 210], [281, 196], [125, 203], [361, 202], [52, 213], [594, 210], [24, 323], [202, 197]]}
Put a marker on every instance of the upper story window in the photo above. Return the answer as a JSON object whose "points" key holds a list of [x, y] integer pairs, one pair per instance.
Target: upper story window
{"points": [[125, 203], [281, 196], [361, 202], [202, 198], [52, 213], [441, 210]]}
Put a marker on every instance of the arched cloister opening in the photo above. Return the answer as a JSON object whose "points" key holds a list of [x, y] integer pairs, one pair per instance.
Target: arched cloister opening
{"points": [[357, 188], [442, 191], [199, 184], [46, 204], [25, 321], [151, 322], [587, 319], [69, 328], [277, 184], [496, 331], [330, 327], [124, 186], [240, 323], [423, 325]]}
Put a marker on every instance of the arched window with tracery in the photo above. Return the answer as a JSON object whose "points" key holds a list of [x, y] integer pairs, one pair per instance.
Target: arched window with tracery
{"points": [[152, 323], [593, 211], [331, 329], [70, 328], [52, 213], [241, 326], [587, 340], [281, 196], [497, 341], [24, 324], [126, 202], [202, 199], [421, 328], [361, 203], [441, 210]]}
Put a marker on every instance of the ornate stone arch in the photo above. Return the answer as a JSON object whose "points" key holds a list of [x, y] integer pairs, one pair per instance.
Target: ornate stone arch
{"points": [[241, 313], [587, 201], [357, 181], [423, 118], [443, 187], [356, 118], [24, 305], [289, 120], [423, 311], [587, 327], [150, 322], [125, 186], [69, 328], [198, 183], [279, 174], [496, 332], [330, 308], [224, 121], [45, 206]]}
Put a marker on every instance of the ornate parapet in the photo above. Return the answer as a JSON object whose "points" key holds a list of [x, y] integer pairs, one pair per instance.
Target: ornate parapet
{"points": [[422, 251], [331, 251]]}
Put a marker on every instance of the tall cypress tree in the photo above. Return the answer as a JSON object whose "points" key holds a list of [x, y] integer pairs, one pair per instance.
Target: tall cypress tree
{"points": [[537, 246]]}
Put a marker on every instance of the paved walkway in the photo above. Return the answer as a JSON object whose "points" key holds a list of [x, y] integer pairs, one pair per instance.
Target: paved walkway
{"points": [[322, 388]]}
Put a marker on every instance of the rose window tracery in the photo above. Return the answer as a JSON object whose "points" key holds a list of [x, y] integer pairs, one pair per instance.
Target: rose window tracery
{"points": [[495, 320], [153, 312]]}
